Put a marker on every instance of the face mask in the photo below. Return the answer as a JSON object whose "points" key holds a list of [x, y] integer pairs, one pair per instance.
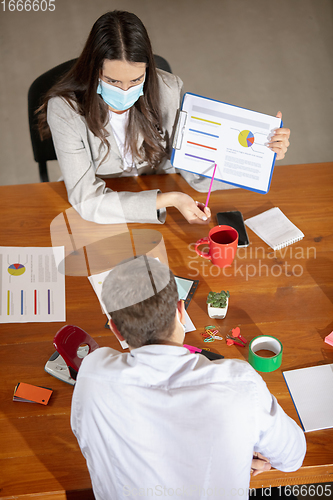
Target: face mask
{"points": [[117, 98]]}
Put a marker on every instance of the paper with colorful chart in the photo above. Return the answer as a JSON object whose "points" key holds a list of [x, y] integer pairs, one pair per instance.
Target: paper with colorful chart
{"points": [[32, 289], [234, 138]]}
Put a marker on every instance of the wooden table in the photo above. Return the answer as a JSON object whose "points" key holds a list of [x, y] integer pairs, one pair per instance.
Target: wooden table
{"points": [[287, 294]]}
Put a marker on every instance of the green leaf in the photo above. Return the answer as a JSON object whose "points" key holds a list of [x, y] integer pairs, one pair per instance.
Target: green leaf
{"points": [[218, 299]]}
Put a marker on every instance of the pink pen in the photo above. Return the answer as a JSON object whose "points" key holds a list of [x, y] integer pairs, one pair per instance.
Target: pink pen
{"points": [[210, 187]]}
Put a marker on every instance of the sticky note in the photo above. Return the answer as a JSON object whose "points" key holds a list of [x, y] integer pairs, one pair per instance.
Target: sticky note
{"points": [[329, 339], [27, 393]]}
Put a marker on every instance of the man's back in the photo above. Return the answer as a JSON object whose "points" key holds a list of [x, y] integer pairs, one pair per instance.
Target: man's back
{"points": [[161, 422]]}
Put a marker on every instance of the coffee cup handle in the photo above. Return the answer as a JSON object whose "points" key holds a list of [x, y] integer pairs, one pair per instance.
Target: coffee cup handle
{"points": [[202, 254]]}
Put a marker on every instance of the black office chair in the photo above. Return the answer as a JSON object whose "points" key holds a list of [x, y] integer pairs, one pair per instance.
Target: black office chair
{"points": [[44, 150]]}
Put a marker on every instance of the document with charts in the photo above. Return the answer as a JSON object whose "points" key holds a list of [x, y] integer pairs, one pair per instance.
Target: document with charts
{"points": [[234, 138], [32, 287]]}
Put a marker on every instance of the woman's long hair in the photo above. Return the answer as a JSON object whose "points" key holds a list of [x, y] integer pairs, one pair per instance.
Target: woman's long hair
{"points": [[116, 35]]}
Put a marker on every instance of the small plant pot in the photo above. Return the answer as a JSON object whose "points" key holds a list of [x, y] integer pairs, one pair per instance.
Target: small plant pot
{"points": [[218, 312]]}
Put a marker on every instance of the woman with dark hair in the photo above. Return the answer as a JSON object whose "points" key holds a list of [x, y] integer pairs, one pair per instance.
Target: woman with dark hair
{"points": [[113, 115]]}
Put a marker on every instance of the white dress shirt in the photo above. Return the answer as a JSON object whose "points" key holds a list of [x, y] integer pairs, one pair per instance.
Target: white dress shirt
{"points": [[161, 422]]}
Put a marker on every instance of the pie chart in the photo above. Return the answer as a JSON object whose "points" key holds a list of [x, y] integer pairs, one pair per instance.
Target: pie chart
{"points": [[246, 138], [16, 269]]}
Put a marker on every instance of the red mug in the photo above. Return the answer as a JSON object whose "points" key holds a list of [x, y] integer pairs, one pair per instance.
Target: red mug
{"points": [[222, 241]]}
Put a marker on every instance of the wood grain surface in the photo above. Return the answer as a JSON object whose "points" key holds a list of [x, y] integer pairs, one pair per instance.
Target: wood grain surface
{"points": [[287, 294]]}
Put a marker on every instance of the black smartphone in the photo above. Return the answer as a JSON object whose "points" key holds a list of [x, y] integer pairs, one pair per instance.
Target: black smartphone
{"points": [[235, 220]]}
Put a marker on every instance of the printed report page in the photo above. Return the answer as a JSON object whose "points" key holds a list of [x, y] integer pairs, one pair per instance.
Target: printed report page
{"points": [[235, 138], [32, 289]]}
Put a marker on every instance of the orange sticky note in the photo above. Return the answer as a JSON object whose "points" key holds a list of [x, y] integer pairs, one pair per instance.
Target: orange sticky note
{"points": [[27, 393]]}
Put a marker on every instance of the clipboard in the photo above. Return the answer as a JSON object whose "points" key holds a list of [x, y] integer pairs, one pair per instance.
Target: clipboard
{"points": [[210, 131]]}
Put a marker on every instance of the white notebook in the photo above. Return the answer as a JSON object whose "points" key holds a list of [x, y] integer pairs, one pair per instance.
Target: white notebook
{"points": [[274, 228], [311, 390]]}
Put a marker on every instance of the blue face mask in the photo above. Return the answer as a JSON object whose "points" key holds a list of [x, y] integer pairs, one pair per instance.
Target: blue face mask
{"points": [[117, 98]]}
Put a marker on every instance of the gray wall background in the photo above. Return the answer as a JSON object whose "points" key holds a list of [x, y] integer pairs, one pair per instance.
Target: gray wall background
{"points": [[265, 55]]}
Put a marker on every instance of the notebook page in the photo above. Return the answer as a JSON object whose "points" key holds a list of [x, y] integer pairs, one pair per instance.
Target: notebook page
{"points": [[274, 228], [311, 390]]}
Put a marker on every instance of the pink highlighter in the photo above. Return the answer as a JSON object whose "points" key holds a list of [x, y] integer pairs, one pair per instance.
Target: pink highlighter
{"points": [[208, 354]]}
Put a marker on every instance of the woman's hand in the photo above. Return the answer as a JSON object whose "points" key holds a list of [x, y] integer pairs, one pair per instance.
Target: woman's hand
{"points": [[193, 211], [280, 141], [259, 464]]}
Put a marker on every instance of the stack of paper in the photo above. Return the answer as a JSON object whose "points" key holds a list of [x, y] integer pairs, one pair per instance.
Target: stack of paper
{"points": [[274, 228]]}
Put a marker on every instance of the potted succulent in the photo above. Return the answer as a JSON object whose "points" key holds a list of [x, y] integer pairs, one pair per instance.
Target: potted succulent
{"points": [[218, 304]]}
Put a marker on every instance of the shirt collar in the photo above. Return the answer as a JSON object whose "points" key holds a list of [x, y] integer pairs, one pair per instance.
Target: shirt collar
{"points": [[165, 349]]}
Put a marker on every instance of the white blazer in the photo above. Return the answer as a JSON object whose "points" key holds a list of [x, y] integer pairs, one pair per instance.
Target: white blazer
{"points": [[79, 153]]}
